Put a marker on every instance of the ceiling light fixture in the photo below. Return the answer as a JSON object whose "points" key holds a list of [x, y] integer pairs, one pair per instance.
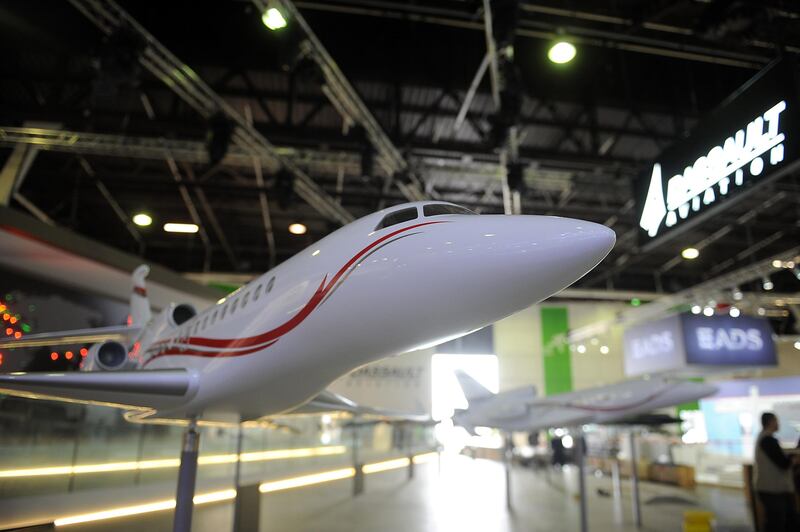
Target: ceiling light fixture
{"points": [[174, 227], [690, 253], [298, 229], [766, 283], [562, 52], [696, 309], [273, 19], [142, 220], [734, 312]]}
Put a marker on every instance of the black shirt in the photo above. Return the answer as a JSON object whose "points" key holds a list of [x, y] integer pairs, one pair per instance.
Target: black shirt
{"points": [[773, 450]]}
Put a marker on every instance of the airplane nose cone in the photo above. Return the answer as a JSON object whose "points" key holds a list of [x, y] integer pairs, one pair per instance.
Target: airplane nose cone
{"points": [[541, 255]]}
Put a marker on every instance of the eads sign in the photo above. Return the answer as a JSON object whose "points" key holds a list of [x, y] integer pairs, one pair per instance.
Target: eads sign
{"points": [[752, 138]]}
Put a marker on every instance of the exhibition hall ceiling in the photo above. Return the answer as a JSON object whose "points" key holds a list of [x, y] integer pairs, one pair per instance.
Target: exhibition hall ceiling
{"points": [[644, 75]]}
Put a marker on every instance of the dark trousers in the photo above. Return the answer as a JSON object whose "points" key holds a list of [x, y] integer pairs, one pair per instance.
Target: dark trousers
{"points": [[779, 512]]}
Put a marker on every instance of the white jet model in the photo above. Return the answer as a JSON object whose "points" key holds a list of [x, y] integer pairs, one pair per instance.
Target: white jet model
{"points": [[520, 410], [404, 278]]}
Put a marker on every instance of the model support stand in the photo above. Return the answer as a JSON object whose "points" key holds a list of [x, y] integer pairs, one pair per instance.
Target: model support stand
{"points": [[580, 459], [507, 461], [637, 510], [187, 475]]}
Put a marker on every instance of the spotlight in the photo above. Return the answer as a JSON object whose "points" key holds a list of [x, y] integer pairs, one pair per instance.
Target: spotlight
{"points": [[562, 52], [762, 311], [690, 253], [142, 219], [567, 441], [581, 349], [696, 309], [298, 229], [708, 311], [604, 349], [181, 228], [737, 294], [766, 283], [797, 345], [273, 19], [777, 263], [734, 312]]}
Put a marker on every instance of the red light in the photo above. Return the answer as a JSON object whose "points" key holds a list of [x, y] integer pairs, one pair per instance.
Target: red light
{"points": [[17, 335], [1, 359], [68, 355], [6, 316], [9, 330], [53, 356], [84, 351], [13, 320]]}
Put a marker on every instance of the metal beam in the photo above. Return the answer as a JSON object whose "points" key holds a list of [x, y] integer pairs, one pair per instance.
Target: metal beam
{"points": [[346, 98], [110, 17]]}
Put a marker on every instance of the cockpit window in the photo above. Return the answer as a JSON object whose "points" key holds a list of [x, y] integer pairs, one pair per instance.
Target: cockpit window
{"points": [[436, 209], [398, 217]]}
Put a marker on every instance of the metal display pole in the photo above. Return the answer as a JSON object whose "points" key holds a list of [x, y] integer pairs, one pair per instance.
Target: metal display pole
{"points": [[580, 448], [637, 510], [237, 475], [507, 461], [187, 475]]}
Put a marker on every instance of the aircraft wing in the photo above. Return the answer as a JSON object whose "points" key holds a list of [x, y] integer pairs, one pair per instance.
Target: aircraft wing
{"points": [[144, 389], [327, 402], [77, 336]]}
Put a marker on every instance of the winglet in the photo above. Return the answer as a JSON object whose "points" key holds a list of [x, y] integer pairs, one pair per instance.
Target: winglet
{"points": [[473, 390]]}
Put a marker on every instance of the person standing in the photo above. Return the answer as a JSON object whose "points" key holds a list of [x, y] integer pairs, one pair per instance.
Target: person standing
{"points": [[773, 479]]}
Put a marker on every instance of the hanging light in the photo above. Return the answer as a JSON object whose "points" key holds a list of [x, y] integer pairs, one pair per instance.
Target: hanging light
{"points": [[697, 309], [273, 19], [298, 229], [142, 220], [766, 283], [737, 294], [708, 311], [562, 52], [690, 253], [734, 312]]}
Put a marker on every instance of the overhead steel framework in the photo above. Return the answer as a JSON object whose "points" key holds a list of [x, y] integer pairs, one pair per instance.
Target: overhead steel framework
{"points": [[108, 16]]}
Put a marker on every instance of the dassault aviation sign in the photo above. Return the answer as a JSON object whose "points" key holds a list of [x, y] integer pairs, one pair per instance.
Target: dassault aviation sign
{"points": [[750, 138]]}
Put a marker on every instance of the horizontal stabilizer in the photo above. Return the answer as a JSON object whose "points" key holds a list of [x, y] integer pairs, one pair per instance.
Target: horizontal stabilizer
{"points": [[120, 333], [473, 390], [148, 389]]}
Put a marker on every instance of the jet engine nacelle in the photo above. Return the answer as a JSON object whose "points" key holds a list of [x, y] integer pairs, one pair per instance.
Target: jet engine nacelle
{"points": [[107, 356]]}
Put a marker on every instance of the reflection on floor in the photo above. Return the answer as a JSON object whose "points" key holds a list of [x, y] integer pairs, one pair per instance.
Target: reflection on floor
{"points": [[468, 495]]}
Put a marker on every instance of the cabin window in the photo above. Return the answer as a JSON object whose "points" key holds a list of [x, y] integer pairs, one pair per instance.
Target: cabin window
{"points": [[437, 209], [257, 293], [214, 317], [234, 305], [205, 323], [398, 217], [245, 298], [270, 285], [224, 310]]}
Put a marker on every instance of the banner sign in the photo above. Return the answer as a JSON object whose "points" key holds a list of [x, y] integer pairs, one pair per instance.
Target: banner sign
{"points": [[686, 340], [754, 136]]}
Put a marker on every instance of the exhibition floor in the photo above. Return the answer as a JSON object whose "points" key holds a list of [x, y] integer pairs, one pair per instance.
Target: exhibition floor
{"points": [[468, 495]]}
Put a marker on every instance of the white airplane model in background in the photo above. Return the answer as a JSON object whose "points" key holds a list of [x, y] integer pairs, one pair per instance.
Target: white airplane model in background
{"points": [[405, 278], [520, 410]]}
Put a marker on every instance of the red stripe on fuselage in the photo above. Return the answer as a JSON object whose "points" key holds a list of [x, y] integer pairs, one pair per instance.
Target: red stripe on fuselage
{"points": [[273, 335]]}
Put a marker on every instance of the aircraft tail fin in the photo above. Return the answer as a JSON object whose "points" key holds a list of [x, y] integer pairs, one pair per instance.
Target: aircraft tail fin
{"points": [[473, 390], [140, 304]]}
